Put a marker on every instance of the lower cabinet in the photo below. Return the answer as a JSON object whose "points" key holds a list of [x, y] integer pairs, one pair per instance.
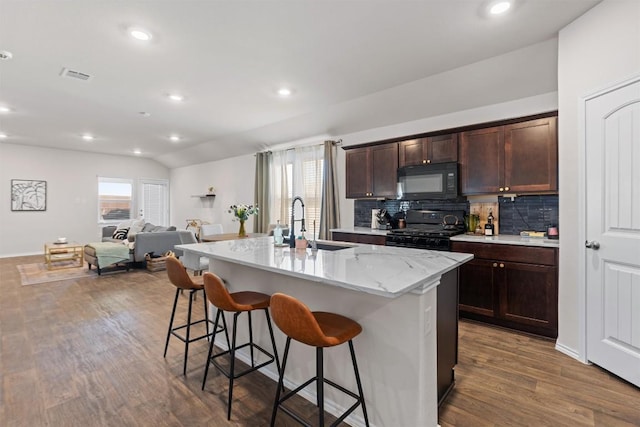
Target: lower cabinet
{"points": [[510, 285], [367, 239]]}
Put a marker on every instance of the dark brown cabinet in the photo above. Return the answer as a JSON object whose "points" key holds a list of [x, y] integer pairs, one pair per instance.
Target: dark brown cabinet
{"points": [[531, 156], [367, 239], [481, 162], [517, 158], [511, 286], [431, 149], [372, 171]]}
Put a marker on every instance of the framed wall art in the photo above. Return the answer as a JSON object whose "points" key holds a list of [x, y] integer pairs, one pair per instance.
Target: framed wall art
{"points": [[28, 195]]}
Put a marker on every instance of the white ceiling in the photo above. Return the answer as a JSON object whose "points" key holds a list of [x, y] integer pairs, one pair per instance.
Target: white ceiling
{"points": [[228, 57]]}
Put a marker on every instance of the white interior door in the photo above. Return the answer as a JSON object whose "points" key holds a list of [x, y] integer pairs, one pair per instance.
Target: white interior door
{"points": [[613, 230], [154, 201]]}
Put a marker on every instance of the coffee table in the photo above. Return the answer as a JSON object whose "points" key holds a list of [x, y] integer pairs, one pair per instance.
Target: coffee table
{"points": [[56, 253]]}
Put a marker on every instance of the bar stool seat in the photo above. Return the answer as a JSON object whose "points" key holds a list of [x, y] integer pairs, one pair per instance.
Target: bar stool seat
{"points": [[318, 329], [179, 277], [236, 303]]}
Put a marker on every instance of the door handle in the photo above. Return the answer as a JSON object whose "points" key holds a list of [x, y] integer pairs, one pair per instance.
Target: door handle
{"points": [[592, 245]]}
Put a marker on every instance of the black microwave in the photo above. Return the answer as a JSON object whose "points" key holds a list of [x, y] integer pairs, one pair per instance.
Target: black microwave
{"points": [[431, 181]]}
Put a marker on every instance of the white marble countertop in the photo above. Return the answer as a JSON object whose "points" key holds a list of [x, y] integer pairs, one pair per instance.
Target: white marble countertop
{"points": [[361, 230], [505, 239], [380, 270]]}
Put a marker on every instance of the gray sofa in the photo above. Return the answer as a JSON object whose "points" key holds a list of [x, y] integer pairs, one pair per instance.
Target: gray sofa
{"points": [[158, 240]]}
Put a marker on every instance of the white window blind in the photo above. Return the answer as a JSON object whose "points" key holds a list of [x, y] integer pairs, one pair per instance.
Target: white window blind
{"points": [[297, 172], [154, 199]]}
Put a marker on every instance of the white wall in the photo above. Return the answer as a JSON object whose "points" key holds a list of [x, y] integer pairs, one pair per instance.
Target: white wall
{"points": [[234, 180], [72, 194], [597, 50]]}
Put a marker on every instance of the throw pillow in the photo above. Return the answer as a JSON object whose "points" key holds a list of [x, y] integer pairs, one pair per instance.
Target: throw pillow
{"points": [[125, 224], [136, 226], [120, 233]]}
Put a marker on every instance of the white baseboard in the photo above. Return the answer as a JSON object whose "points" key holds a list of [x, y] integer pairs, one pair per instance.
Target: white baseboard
{"points": [[570, 352], [23, 254]]}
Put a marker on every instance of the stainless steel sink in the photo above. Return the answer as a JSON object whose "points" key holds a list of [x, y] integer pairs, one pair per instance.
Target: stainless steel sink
{"points": [[327, 246], [330, 246]]}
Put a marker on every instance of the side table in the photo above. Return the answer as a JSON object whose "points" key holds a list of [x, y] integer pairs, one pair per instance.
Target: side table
{"points": [[55, 253]]}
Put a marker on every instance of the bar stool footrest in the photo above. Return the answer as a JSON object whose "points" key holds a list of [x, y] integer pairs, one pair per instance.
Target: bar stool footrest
{"points": [[296, 417], [174, 331], [246, 371]]}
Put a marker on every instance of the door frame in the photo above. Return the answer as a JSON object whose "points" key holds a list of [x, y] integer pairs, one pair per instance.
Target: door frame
{"points": [[582, 204]]}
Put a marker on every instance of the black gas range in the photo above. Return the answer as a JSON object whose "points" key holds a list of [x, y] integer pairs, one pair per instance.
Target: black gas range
{"points": [[428, 229]]}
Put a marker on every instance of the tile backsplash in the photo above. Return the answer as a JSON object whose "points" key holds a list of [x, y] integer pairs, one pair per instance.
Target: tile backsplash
{"points": [[362, 208], [532, 213]]}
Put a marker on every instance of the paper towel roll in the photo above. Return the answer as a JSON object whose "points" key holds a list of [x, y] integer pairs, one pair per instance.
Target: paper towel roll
{"points": [[374, 218]]}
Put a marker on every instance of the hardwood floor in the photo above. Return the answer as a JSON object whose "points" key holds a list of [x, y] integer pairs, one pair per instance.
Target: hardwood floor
{"points": [[88, 352]]}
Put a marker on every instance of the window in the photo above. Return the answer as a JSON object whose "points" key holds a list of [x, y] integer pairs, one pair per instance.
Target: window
{"points": [[297, 172], [115, 199]]}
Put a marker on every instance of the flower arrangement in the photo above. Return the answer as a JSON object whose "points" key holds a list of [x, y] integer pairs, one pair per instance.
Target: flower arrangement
{"points": [[242, 212]]}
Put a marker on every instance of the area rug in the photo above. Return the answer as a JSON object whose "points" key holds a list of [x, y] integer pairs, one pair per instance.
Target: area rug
{"points": [[32, 274]]}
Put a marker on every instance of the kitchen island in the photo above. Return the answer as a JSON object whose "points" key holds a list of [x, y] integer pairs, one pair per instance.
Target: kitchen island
{"points": [[392, 292]]}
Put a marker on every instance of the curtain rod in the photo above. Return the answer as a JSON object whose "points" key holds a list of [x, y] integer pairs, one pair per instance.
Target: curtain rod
{"points": [[338, 142]]}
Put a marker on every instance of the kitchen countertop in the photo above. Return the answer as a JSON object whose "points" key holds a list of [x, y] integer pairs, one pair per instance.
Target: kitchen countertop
{"points": [[375, 269], [505, 239], [361, 230]]}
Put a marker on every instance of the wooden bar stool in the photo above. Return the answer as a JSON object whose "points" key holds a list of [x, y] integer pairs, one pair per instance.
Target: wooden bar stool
{"points": [[179, 277], [236, 303], [318, 329]]}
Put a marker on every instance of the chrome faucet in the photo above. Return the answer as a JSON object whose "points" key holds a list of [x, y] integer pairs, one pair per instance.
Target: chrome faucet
{"points": [[292, 235]]}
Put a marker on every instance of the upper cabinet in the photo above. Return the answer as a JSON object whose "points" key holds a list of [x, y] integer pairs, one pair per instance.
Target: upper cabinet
{"points": [[531, 156], [515, 158], [372, 171], [431, 149]]}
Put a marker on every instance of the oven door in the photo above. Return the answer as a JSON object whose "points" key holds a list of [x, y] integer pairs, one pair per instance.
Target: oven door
{"points": [[419, 242]]}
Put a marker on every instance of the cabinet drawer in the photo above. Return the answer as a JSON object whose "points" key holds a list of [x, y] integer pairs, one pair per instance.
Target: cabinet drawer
{"points": [[367, 239], [512, 253]]}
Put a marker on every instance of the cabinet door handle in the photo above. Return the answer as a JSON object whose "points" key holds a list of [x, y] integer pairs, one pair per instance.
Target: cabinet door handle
{"points": [[424, 161], [501, 265], [506, 188], [428, 161], [495, 264], [501, 189]]}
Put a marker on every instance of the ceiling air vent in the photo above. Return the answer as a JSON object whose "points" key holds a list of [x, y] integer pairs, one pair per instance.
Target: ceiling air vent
{"points": [[66, 72]]}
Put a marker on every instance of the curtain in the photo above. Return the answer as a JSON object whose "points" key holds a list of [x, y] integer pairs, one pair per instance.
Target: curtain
{"points": [[261, 191], [330, 212], [297, 172]]}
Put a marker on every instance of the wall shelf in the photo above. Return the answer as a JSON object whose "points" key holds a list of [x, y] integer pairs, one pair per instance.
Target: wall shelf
{"points": [[204, 196]]}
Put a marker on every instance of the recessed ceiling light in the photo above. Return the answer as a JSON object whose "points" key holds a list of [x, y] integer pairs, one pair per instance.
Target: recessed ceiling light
{"points": [[499, 7], [88, 137], [5, 54], [4, 109], [3, 135], [144, 114], [137, 151], [174, 138], [284, 92], [140, 34], [175, 97]]}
